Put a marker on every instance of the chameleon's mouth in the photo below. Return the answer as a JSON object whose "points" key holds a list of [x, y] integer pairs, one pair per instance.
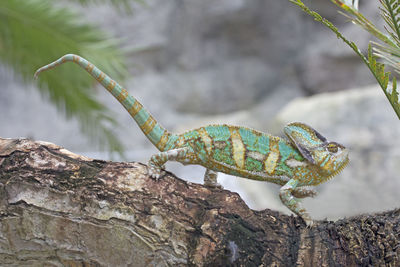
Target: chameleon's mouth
{"points": [[340, 168]]}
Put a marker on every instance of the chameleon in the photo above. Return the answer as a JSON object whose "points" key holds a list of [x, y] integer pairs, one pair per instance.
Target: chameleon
{"points": [[302, 160]]}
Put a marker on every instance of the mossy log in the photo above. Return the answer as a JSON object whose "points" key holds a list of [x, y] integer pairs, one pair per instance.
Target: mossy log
{"points": [[61, 209]]}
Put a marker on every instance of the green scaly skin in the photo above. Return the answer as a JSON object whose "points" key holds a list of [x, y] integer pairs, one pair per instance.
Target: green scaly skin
{"points": [[305, 159]]}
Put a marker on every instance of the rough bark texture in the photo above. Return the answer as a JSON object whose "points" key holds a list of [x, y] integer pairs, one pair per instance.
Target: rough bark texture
{"points": [[61, 209]]}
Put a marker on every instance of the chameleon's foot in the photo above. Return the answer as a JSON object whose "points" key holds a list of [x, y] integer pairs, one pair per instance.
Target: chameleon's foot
{"points": [[156, 162], [154, 172], [217, 185], [210, 179], [302, 192], [307, 219]]}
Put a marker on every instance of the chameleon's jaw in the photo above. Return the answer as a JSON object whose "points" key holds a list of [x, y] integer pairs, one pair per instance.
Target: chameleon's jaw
{"points": [[342, 160], [340, 168]]}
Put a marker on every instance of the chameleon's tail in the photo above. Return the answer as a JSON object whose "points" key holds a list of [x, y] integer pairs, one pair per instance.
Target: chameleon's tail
{"points": [[158, 135]]}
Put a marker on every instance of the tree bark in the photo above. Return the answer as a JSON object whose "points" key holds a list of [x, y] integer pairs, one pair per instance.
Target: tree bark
{"points": [[62, 209]]}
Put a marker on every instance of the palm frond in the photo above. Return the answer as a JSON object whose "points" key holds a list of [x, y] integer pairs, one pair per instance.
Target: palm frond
{"points": [[113, 2], [353, 3], [377, 69], [358, 18], [390, 55], [390, 12], [121, 4], [34, 33], [124, 5]]}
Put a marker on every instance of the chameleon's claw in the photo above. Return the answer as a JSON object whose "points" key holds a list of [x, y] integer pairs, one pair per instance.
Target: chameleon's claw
{"points": [[309, 222], [154, 173], [313, 194], [306, 218], [216, 185]]}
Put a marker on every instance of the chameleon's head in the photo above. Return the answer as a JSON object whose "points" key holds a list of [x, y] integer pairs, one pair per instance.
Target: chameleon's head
{"points": [[329, 157]]}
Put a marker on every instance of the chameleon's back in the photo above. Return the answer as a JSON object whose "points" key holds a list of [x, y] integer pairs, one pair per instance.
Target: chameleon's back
{"points": [[242, 151]]}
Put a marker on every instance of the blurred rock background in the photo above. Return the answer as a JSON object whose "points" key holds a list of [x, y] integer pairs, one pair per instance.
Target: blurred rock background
{"points": [[255, 63]]}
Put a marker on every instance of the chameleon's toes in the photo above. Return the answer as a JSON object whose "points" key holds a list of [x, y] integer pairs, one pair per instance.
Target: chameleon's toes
{"points": [[214, 185], [310, 193], [304, 192], [154, 173], [309, 222]]}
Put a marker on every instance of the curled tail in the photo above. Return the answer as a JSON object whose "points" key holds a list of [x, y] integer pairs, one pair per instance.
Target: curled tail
{"points": [[158, 135]]}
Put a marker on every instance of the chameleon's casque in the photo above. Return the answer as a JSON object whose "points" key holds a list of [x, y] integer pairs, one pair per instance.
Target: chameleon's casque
{"points": [[306, 159]]}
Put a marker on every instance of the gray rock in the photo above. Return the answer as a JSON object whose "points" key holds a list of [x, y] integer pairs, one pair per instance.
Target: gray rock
{"points": [[231, 86], [218, 56], [328, 64]]}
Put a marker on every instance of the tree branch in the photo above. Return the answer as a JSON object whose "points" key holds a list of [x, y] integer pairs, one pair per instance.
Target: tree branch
{"points": [[57, 207]]}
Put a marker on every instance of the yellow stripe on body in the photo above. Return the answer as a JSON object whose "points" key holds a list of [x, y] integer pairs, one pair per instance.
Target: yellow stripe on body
{"points": [[273, 156], [89, 67], [122, 95], [206, 139], [136, 107], [238, 149], [75, 58], [101, 77], [111, 86], [163, 141], [148, 126]]}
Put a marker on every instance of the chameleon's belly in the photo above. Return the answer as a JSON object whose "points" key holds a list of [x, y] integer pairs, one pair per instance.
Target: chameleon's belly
{"points": [[243, 152]]}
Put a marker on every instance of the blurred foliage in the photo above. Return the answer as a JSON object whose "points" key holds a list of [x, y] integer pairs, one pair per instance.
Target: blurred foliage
{"points": [[121, 4], [388, 49], [34, 33]]}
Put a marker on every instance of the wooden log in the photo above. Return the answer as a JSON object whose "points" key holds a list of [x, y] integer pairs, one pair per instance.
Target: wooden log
{"points": [[62, 209]]}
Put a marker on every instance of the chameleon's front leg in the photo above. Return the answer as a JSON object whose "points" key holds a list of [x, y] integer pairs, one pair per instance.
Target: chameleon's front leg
{"points": [[287, 198], [158, 160]]}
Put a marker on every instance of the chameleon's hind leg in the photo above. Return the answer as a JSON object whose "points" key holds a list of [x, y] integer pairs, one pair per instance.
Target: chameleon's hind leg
{"points": [[287, 198], [158, 160], [210, 179], [304, 191]]}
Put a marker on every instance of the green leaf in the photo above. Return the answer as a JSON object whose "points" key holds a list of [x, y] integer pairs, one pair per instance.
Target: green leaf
{"points": [[395, 94], [34, 33], [358, 18], [391, 14]]}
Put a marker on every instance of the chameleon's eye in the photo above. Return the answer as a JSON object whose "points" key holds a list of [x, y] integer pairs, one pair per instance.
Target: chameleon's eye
{"points": [[332, 147]]}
